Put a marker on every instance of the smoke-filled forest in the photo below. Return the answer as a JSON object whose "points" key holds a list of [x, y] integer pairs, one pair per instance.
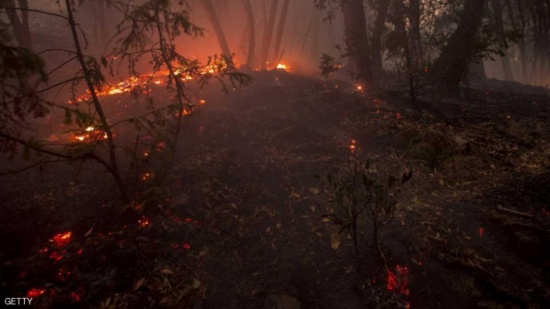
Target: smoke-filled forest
{"points": [[278, 154]]}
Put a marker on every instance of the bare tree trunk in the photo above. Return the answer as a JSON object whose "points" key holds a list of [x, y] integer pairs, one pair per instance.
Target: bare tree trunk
{"points": [[452, 64], [499, 24], [280, 32], [355, 28], [400, 28], [20, 27], [378, 29], [211, 11], [268, 33], [251, 33], [314, 51], [417, 51]]}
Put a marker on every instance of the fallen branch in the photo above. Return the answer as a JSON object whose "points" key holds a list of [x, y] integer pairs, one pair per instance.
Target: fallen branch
{"points": [[280, 132], [514, 212]]}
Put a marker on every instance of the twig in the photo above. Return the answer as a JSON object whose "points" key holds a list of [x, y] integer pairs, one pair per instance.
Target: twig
{"points": [[514, 212]]}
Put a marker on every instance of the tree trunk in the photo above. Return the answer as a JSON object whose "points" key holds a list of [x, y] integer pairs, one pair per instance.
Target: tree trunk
{"points": [[476, 70], [20, 27], [280, 32], [499, 24], [417, 51], [113, 168], [452, 64], [376, 41], [251, 33], [268, 34], [211, 11], [400, 28], [355, 28]]}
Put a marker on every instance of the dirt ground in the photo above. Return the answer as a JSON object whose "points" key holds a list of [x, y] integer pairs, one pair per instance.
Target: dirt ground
{"points": [[472, 227]]}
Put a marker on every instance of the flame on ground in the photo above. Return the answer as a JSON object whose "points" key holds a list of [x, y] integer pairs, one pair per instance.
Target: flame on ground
{"points": [[281, 66], [62, 239], [33, 293]]}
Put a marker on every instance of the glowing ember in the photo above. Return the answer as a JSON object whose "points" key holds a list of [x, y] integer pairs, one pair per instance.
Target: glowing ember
{"points": [[90, 129], [481, 232], [80, 137], [143, 222], [33, 293], [398, 280], [281, 66], [147, 176], [352, 146], [62, 239], [75, 297], [186, 246], [142, 81], [56, 256], [202, 102], [359, 88], [392, 281]]}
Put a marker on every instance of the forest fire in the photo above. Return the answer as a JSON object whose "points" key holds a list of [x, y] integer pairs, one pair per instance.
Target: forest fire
{"points": [[121, 188], [141, 83]]}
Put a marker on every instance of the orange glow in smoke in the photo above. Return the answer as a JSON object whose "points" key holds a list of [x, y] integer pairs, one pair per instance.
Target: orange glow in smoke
{"points": [[281, 66]]}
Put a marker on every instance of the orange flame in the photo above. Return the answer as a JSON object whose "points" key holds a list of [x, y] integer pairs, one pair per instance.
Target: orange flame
{"points": [[62, 239]]}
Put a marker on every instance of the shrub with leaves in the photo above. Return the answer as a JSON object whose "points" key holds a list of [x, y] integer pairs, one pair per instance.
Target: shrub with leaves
{"points": [[361, 198]]}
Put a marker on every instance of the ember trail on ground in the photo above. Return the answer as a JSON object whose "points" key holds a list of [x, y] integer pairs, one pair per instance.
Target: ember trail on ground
{"points": [[244, 179]]}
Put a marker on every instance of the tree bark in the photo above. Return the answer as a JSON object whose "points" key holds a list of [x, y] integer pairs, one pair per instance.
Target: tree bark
{"points": [[114, 170], [268, 34], [417, 51], [222, 40], [280, 32], [355, 28], [376, 41], [499, 25], [20, 27], [251, 33], [452, 64]]}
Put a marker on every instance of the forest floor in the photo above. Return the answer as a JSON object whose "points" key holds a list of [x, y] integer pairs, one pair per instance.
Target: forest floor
{"points": [[241, 225]]}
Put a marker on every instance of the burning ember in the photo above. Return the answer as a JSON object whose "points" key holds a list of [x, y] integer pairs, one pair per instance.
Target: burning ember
{"points": [[481, 232], [62, 239], [399, 280], [281, 66], [147, 176], [352, 146], [90, 134], [143, 222], [158, 78], [33, 293]]}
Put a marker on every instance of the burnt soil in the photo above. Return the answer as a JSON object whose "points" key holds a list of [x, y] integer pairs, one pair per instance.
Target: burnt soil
{"points": [[245, 169]]}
